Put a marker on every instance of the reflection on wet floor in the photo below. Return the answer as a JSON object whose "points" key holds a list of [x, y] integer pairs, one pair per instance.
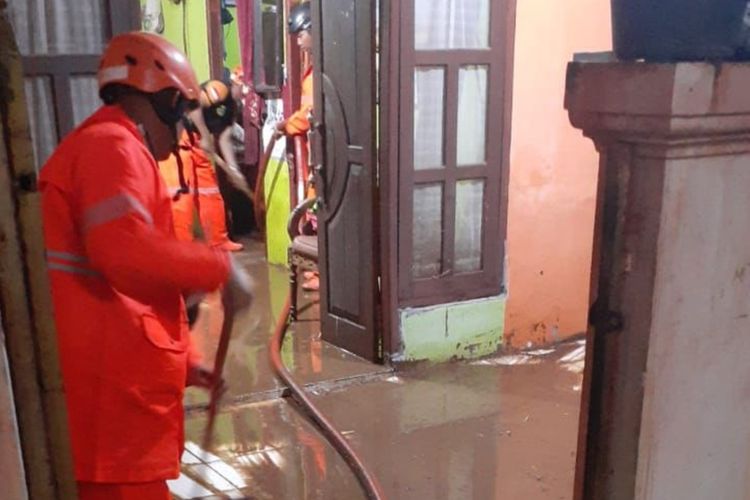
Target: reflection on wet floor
{"points": [[306, 355], [499, 428]]}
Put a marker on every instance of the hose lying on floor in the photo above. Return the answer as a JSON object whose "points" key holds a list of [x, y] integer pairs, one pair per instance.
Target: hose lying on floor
{"points": [[339, 443]]}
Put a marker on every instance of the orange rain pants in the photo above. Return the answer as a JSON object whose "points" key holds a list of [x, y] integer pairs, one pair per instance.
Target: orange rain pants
{"points": [[155, 490], [204, 199]]}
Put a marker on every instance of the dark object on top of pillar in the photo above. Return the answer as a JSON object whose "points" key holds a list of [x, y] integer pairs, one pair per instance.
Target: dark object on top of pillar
{"points": [[681, 30]]}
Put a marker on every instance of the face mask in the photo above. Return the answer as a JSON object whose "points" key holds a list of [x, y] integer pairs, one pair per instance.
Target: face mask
{"points": [[170, 107]]}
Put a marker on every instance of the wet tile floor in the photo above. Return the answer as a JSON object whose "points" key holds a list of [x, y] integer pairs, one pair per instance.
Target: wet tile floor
{"points": [[497, 428], [309, 358]]}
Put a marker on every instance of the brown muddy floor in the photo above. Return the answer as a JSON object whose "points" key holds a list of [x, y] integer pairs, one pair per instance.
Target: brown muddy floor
{"points": [[498, 428]]}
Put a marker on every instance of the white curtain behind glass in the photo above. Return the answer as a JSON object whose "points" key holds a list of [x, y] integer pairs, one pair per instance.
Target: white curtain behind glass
{"points": [[472, 115], [451, 24], [57, 27], [429, 98]]}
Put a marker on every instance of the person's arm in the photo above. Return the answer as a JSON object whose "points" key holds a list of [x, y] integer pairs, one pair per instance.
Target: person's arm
{"points": [[229, 163], [116, 221], [225, 161], [299, 122]]}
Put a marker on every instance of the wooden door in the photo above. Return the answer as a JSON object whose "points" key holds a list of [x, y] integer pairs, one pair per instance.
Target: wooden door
{"points": [[344, 159]]}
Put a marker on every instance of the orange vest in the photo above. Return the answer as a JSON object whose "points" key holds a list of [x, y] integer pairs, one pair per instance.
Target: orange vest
{"points": [[118, 275], [184, 204], [204, 198]]}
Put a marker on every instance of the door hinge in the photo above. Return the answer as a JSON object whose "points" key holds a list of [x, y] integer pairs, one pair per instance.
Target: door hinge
{"points": [[605, 320], [26, 183]]}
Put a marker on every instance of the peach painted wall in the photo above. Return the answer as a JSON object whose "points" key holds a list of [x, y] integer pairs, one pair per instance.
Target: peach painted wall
{"points": [[553, 172]]}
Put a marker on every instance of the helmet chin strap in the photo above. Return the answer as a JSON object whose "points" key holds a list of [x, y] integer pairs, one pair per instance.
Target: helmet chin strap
{"points": [[184, 188], [146, 138]]}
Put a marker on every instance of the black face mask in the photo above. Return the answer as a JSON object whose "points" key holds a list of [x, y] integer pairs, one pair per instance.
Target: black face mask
{"points": [[220, 116]]}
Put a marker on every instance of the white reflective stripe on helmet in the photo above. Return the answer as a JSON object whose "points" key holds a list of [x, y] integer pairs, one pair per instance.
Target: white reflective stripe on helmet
{"points": [[112, 74]]}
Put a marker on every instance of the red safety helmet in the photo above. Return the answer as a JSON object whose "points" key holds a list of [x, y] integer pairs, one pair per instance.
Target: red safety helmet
{"points": [[300, 18], [148, 63]]}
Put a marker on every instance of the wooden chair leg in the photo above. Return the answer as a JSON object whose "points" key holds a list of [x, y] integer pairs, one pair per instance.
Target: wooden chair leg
{"points": [[293, 290]]}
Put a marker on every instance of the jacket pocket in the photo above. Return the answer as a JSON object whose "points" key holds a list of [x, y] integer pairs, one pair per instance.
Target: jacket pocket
{"points": [[158, 335]]}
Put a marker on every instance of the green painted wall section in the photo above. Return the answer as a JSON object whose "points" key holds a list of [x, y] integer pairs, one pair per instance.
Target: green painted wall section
{"points": [[232, 42], [195, 32], [196, 35], [276, 185], [464, 330]]}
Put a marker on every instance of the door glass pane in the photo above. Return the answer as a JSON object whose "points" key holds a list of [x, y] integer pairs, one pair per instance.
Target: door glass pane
{"points": [[429, 97], [267, 47], [58, 26], [451, 24], [469, 203], [472, 115], [85, 96], [427, 230], [41, 110]]}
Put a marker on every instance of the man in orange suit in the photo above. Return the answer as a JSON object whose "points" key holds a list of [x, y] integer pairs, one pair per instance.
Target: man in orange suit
{"points": [[118, 275]]}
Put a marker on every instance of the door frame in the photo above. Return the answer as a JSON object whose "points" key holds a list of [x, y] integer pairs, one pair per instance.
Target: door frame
{"points": [[389, 99], [215, 38]]}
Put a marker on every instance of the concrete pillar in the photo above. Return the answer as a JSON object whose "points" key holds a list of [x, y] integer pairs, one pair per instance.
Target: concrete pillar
{"points": [[667, 391], [11, 463]]}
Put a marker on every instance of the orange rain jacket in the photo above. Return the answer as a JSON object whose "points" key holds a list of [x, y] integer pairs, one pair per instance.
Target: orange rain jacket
{"points": [[118, 275], [299, 123]]}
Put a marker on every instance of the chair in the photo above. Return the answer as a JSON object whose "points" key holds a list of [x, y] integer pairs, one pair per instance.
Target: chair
{"points": [[303, 251]]}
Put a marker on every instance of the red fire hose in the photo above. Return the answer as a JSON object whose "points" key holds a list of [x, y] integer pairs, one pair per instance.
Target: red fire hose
{"points": [[259, 195], [366, 479]]}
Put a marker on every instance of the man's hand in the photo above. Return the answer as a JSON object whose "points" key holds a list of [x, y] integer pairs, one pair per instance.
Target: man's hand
{"points": [[280, 130], [200, 376]]}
